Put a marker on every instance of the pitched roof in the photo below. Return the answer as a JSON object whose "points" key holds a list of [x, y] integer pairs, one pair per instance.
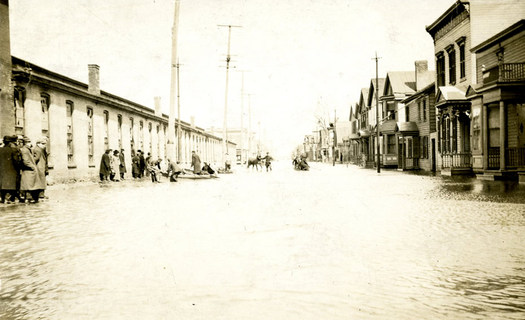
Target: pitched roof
{"points": [[343, 129], [372, 88], [401, 82]]}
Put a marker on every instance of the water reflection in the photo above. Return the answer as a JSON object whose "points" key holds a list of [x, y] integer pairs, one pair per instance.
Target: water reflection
{"points": [[331, 243]]}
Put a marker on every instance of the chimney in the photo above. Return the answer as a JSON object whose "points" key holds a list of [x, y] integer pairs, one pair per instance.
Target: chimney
{"points": [[6, 88], [421, 74], [94, 79], [158, 111]]}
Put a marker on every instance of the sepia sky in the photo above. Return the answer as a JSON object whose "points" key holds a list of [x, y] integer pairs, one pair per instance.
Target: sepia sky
{"points": [[303, 58]]}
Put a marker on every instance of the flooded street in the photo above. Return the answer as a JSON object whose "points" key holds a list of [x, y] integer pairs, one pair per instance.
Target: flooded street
{"points": [[332, 243]]}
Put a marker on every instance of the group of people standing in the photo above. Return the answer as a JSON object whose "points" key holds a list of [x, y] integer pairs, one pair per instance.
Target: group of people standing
{"points": [[112, 165], [23, 169]]}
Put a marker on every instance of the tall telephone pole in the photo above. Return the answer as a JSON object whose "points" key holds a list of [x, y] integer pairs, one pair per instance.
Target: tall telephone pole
{"points": [[171, 121], [376, 58], [179, 128], [225, 121]]}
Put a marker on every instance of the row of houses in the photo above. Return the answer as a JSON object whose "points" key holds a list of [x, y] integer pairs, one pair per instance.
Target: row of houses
{"points": [[81, 121], [468, 116]]}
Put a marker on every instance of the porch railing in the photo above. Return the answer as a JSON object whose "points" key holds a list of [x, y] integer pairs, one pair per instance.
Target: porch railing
{"points": [[515, 157], [505, 72], [457, 160], [493, 156]]}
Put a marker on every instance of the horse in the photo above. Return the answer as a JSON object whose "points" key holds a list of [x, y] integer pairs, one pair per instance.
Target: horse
{"points": [[254, 162]]}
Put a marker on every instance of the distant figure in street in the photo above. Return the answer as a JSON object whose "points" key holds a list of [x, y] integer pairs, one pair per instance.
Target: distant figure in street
{"points": [[122, 165], [227, 164], [153, 169], [115, 163], [135, 165], [105, 166], [173, 171], [195, 162], [31, 181], [268, 161], [9, 170], [41, 158], [142, 164]]}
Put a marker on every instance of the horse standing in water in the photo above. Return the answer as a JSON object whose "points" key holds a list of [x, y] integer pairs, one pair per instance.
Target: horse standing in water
{"points": [[255, 162]]}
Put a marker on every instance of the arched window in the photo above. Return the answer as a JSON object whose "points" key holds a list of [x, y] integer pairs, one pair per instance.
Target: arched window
{"points": [[91, 143], [106, 130], [119, 118]]}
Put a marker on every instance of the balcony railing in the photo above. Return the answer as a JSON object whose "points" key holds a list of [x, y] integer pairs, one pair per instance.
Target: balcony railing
{"points": [[505, 72], [457, 160]]}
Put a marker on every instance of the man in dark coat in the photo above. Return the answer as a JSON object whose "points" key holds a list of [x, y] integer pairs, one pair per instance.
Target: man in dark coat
{"points": [[9, 169], [142, 164], [122, 165], [41, 156], [32, 180], [105, 166], [196, 163]]}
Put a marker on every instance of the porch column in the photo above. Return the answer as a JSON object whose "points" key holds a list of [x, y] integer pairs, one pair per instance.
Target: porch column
{"points": [[502, 136], [485, 137]]}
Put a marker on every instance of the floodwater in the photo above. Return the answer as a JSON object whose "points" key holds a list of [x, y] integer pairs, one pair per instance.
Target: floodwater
{"points": [[331, 243]]}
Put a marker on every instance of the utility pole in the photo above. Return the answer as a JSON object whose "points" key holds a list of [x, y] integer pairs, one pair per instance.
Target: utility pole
{"points": [[179, 128], [171, 121], [225, 123], [377, 118]]}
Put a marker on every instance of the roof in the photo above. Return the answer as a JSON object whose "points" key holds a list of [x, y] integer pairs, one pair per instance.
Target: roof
{"points": [[456, 8], [343, 129], [363, 99], [372, 88], [505, 34], [388, 126], [407, 127], [426, 90], [451, 93], [403, 82]]}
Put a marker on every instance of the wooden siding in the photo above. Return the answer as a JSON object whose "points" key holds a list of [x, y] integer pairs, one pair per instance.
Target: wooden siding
{"points": [[512, 126], [514, 51], [461, 30]]}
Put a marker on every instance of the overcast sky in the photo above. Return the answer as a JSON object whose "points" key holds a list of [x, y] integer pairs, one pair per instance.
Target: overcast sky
{"points": [[303, 58]]}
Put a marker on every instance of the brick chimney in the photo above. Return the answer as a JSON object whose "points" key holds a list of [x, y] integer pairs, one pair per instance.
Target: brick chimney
{"points": [[423, 77], [6, 91], [94, 79], [158, 111]]}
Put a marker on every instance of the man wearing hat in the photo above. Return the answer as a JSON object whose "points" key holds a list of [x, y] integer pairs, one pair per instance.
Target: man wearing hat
{"points": [[32, 180], [9, 165], [41, 156]]}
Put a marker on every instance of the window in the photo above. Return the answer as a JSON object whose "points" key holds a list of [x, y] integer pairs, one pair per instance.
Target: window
{"points": [[150, 137], [141, 135], [106, 130], [91, 143], [424, 109], [462, 72], [158, 141], [407, 113], [391, 144], [20, 97], [119, 119], [390, 110], [451, 64], [419, 111], [69, 120], [440, 66], [131, 135], [166, 141], [424, 147]]}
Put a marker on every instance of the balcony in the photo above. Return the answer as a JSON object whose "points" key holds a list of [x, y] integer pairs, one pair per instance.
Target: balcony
{"points": [[505, 72]]}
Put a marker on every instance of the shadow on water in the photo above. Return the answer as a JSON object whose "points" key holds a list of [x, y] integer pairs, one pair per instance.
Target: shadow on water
{"points": [[470, 188]]}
